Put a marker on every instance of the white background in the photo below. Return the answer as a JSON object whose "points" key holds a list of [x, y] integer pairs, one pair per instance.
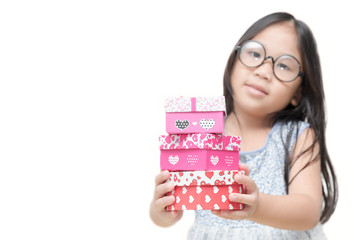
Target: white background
{"points": [[82, 89]]}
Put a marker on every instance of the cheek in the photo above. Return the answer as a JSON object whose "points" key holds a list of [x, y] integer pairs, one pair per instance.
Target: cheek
{"points": [[282, 101], [238, 76], [285, 95]]}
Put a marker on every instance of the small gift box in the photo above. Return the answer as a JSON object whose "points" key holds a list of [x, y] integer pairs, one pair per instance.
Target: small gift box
{"points": [[195, 115], [204, 190], [202, 151]]}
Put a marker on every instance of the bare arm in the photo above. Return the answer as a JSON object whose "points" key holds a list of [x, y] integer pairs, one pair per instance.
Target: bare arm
{"points": [[299, 210]]}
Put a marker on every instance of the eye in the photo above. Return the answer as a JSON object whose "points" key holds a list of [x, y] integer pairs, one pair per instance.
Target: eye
{"points": [[256, 55], [286, 63], [283, 67]]}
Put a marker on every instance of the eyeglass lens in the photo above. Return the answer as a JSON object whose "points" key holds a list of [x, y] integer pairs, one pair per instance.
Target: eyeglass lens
{"points": [[285, 68]]}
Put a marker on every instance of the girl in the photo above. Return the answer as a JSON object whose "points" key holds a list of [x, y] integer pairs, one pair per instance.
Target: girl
{"points": [[275, 102]]}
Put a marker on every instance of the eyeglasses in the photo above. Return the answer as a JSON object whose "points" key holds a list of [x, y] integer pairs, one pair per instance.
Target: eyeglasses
{"points": [[252, 54]]}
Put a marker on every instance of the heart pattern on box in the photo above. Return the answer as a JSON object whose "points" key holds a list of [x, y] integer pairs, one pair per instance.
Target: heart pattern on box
{"points": [[182, 124], [207, 124], [200, 140], [214, 160], [209, 174], [198, 178], [204, 190], [189, 198], [173, 159]]}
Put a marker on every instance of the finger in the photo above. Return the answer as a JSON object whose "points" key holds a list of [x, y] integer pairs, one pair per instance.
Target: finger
{"points": [[245, 168], [243, 198], [161, 177], [177, 214], [162, 189], [233, 214], [165, 201], [247, 182]]}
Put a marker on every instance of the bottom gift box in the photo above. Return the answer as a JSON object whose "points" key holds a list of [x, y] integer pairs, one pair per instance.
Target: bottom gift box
{"points": [[204, 190]]}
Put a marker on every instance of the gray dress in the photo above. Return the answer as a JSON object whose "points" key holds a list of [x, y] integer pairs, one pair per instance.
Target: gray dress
{"points": [[267, 170]]}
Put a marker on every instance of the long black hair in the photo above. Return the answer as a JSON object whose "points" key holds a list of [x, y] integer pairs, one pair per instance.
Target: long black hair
{"points": [[311, 107]]}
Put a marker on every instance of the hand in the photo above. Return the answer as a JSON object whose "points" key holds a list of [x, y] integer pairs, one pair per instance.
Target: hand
{"points": [[249, 198], [158, 213]]}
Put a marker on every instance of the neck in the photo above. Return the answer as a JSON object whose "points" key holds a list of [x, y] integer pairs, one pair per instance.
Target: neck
{"points": [[252, 129], [249, 122]]}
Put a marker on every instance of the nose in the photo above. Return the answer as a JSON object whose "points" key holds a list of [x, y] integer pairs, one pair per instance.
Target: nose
{"points": [[265, 70]]}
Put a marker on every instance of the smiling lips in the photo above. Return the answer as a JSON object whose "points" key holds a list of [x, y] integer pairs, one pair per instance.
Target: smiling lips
{"points": [[256, 90]]}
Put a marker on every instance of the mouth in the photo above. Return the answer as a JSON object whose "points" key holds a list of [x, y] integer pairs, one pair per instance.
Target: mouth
{"points": [[256, 89]]}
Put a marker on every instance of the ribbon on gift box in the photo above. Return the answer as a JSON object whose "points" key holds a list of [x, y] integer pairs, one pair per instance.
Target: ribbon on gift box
{"points": [[194, 104]]}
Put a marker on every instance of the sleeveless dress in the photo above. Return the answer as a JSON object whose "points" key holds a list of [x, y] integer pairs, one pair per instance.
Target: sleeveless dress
{"points": [[267, 170]]}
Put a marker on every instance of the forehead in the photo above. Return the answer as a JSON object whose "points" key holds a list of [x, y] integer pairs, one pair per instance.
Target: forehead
{"points": [[279, 39]]}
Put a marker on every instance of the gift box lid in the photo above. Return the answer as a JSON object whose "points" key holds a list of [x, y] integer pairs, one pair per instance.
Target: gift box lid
{"points": [[199, 178], [200, 141], [195, 104]]}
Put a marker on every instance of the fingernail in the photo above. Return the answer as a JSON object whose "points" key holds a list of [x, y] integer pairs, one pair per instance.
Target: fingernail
{"points": [[238, 177], [171, 186], [165, 174], [233, 197]]}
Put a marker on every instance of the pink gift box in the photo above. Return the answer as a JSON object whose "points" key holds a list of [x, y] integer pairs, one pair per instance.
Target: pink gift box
{"points": [[204, 190], [202, 151], [195, 115]]}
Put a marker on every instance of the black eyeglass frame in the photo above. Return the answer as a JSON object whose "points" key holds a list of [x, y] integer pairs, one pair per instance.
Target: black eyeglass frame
{"points": [[300, 74]]}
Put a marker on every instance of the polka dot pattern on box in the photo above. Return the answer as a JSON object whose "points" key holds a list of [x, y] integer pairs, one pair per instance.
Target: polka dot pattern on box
{"points": [[207, 124]]}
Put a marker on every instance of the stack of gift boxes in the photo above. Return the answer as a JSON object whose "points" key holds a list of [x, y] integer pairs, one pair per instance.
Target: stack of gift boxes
{"points": [[201, 160]]}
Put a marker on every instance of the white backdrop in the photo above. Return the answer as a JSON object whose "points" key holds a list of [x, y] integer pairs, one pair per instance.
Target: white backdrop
{"points": [[82, 89]]}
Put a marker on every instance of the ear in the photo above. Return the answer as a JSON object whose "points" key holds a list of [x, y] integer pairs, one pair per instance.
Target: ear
{"points": [[297, 97]]}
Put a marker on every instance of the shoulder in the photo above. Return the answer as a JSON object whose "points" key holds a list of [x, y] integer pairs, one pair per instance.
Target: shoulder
{"points": [[305, 149], [290, 132], [306, 142], [296, 127]]}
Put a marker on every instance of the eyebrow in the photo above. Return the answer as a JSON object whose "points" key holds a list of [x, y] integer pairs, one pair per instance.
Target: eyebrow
{"points": [[286, 53]]}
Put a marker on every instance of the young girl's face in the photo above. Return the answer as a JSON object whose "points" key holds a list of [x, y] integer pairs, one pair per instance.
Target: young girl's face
{"points": [[256, 90]]}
